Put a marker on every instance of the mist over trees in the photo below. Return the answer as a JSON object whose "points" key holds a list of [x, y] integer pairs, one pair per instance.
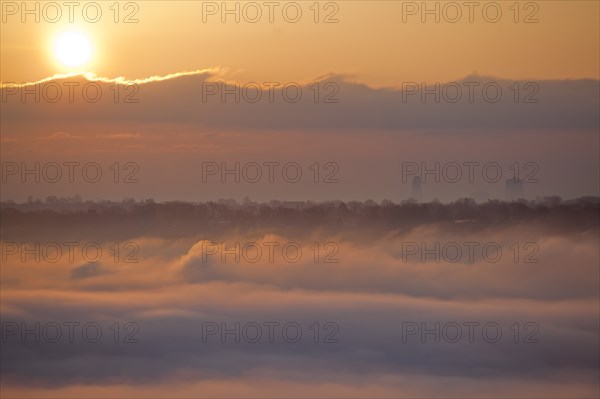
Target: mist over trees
{"points": [[130, 218]]}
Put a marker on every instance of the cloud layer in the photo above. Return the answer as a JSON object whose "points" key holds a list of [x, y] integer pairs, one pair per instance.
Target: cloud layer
{"points": [[207, 99], [363, 303]]}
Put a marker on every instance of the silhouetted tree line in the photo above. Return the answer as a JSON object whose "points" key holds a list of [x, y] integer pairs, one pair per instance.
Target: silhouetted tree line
{"points": [[130, 218]]}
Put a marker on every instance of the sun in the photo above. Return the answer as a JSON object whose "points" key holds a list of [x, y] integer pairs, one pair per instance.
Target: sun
{"points": [[72, 49]]}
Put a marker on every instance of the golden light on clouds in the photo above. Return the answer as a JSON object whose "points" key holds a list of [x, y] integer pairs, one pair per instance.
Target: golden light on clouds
{"points": [[316, 198], [562, 44]]}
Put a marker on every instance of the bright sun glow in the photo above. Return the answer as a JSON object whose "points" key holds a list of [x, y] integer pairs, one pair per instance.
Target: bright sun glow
{"points": [[72, 49]]}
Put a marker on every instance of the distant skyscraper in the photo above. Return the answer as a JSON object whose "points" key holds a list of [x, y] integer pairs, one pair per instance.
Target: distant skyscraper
{"points": [[514, 189], [416, 188]]}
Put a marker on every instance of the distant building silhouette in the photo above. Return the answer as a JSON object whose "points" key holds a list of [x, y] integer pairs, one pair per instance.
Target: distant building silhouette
{"points": [[416, 192], [514, 189]]}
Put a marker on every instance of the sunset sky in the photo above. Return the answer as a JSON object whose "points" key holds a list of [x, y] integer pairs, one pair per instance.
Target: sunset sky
{"points": [[370, 138], [356, 63], [370, 43]]}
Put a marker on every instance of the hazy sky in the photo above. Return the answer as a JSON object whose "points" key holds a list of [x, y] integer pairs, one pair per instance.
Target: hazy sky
{"points": [[300, 101], [362, 146]]}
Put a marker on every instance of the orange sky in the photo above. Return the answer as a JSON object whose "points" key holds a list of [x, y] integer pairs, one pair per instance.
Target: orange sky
{"points": [[154, 132], [370, 42]]}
